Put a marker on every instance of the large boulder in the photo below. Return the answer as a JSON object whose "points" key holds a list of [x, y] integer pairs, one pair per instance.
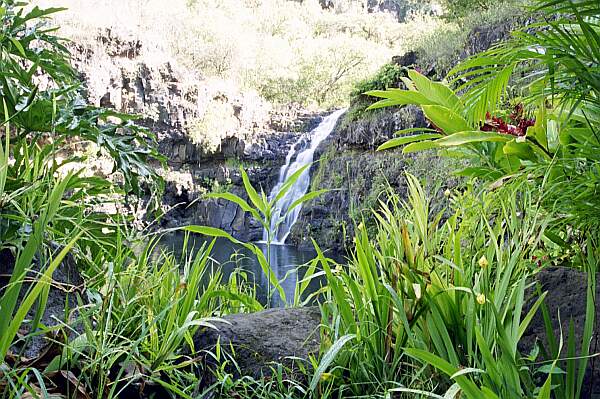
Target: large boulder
{"points": [[265, 338]]}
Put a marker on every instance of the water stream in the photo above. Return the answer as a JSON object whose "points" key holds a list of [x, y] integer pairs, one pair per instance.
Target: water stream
{"points": [[299, 156], [286, 261]]}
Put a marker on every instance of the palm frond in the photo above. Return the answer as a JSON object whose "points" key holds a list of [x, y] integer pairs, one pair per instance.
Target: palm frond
{"points": [[557, 58]]}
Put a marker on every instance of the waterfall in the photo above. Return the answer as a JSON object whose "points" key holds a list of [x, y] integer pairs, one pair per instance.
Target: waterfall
{"points": [[282, 221]]}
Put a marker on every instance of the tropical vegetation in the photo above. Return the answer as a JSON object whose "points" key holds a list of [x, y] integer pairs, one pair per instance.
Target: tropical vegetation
{"points": [[427, 304]]}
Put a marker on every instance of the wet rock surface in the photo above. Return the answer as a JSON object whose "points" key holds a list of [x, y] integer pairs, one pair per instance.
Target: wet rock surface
{"points": [[261, 340]]}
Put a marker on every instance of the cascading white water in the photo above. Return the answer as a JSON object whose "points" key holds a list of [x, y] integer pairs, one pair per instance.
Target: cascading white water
{"points": [[282, 221]]}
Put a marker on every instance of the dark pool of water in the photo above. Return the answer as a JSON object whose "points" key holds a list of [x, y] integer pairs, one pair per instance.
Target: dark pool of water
{"points": [[288, 263]]}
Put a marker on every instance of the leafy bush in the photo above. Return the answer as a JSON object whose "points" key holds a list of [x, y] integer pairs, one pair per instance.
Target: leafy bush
{"points": [[389, 76], [49, 208], [459, 9], [416, 290], [143, 309], [44, 205], [549, 131]]}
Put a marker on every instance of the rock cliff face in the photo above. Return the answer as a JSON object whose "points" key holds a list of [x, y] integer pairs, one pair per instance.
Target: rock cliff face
{"points": [[206, 129]]}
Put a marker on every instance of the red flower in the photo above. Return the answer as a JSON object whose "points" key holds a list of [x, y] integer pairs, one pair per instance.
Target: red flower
{"points": [[517, 128]]}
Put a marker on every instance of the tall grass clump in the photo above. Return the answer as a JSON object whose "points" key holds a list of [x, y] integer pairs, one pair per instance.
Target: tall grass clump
{"points": [[447, 294], [139, 316], [44, 205]]}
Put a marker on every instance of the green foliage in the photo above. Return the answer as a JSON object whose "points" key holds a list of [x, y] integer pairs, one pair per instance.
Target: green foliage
{"points": [[43, 204], [48, 210], [140, 313], [428, 304], [557, 61], [552, 126], [420, 293], [460, 9], [29, 47], [389, 76]]}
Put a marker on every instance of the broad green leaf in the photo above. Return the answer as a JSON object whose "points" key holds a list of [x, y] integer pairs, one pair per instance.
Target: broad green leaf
{"points": [[385, 104], [419, 146], [527, 319], [468, 137], [398, 97], [305, 198], [520, 150], [208, 231], [8, 335], [236, 200], [488, 359], [465, 371], [446, 119], [550, 368], [475, 171], [19, 46], [437, 92], [252, 194], [289, 182], [552, 136], [467, 385], [414, 130], [398, 141], [546, 389], [267, 269], [452, 392]]}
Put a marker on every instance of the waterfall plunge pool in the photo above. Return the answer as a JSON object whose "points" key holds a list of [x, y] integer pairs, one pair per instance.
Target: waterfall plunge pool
{"points": [[287, 262]]}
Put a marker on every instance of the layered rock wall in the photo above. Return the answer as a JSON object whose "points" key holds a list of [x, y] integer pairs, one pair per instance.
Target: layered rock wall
{"points": [[207, 129]]}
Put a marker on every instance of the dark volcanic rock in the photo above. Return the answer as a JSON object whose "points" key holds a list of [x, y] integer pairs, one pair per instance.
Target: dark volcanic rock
{"points": [[66, 282], [369, 133], [265, 338], [566, 301]]}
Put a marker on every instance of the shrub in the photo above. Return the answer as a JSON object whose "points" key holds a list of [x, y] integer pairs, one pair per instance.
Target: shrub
{"points": [[546, 131], [418, 289]]}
